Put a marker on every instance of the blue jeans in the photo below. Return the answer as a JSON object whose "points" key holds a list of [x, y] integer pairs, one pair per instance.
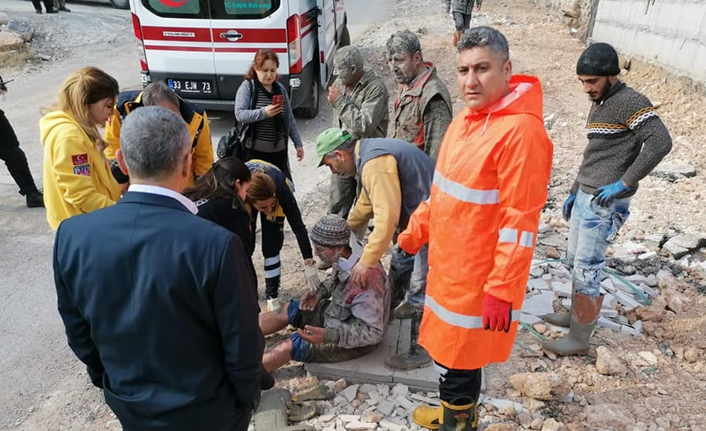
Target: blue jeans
{"points": [[593, 228], [418, 266]]}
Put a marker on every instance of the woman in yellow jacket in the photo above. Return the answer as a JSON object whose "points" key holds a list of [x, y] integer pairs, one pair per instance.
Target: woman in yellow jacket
{"points": [[77, 178]]}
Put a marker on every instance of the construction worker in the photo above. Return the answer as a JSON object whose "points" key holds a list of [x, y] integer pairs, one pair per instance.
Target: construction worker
{"points": [[395, 177], [359, 99], [422, 113], [159, 94], [423, 109], [626, 140], [480, 224], [462, 11]]}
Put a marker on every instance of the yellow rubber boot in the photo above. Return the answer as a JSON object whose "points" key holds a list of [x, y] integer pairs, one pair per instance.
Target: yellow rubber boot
{"points": [[459, 415], [428, 417]]}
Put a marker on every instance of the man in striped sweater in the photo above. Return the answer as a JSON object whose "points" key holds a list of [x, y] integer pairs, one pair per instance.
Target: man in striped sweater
{"points": [[626, 140]]}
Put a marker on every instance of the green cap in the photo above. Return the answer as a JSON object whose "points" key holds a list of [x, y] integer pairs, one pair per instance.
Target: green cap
{"points": [[328, 141]]}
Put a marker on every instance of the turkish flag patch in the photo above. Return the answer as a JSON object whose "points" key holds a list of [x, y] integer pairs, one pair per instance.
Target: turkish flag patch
{"points": [[79, 159], [84, 170]]}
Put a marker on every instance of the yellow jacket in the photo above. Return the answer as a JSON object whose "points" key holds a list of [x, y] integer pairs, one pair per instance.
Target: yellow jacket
{"points": [[381, 179], [77, 179], [195, 118]]}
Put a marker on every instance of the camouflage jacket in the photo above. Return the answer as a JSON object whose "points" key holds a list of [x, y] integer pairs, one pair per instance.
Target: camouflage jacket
{"points": [[364, 112], [463, 6], [355, 316], [423, 112]]}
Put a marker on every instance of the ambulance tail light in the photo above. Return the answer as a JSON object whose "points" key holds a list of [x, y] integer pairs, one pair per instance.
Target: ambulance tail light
{"points": [[137, 27], [295, 44], [144, 70]]}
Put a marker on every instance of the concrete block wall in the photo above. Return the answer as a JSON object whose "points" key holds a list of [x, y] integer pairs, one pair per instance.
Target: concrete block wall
{"points": [[671, 33]]}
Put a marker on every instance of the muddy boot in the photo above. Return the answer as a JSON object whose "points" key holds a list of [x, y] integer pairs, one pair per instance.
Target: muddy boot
{"points": [[399, 287], [584, 314], [459, 415], [562, 319], [404, 311], [416, 357]]}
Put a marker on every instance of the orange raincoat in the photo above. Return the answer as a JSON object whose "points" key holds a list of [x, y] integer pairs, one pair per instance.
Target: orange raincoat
{"points": [[481, 224]]}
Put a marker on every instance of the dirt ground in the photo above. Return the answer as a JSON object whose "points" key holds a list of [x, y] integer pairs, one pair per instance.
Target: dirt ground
{"points": [[666, 395]]}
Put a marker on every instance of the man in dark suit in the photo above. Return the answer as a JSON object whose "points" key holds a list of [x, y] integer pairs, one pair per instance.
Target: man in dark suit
{"points": [[159, 303]]}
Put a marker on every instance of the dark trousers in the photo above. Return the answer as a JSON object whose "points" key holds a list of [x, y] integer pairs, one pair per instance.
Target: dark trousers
{"points": [[48, 4], [14, 157], [455, 384], [272, 241], [279, 159], [342, 194]]}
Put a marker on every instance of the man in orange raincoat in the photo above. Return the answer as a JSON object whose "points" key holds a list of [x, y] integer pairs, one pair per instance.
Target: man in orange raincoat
{"points": [[480, 224]]}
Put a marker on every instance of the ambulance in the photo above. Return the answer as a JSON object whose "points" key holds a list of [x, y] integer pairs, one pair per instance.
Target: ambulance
{"points": [[203, 48]]}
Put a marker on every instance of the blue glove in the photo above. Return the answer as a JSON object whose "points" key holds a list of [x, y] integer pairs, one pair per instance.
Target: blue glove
{"points": [[605, 195], [568, 206]]}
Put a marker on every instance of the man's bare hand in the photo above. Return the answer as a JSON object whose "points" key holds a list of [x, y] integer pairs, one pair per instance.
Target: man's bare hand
{"points": [[333, 93], [313, 334], [309, 301], [360, 274]]}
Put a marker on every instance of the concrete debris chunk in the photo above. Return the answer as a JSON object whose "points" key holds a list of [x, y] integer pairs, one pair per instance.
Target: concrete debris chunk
{"points": [[501, 404], [608, 363], [626, 300], [391, 426], [371, 417], [541, 386], [400, 389], [386, 407], [681, 245], [672, 170], [530, 319], [425, 400], [404, 403], [608, 323], [539, 304], [350, 392], [360, 426]]}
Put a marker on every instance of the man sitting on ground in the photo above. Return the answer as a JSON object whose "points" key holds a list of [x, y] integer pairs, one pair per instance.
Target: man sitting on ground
{"points": [[339, 321]]}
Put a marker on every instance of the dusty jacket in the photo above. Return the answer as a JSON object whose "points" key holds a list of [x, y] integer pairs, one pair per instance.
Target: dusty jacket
{"points": [[463, 6], [364, 112], [245, 112], [423, 112], [195, 118], [356, 317], [481, 224], [77, 179]]}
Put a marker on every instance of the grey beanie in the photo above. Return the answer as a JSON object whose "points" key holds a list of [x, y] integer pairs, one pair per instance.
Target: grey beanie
{"points": [[331, 231], [599, 59]]}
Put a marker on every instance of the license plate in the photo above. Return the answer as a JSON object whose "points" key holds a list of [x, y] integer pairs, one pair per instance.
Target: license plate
{"points": [[190, 86]]}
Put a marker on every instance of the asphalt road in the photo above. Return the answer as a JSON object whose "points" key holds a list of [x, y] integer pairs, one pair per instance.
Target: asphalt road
{"points": [[42, 385]]}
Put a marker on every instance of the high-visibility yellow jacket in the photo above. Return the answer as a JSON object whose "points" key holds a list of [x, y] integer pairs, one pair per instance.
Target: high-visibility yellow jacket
{"points": [[195, 118], [480, 222], [77, 178]]}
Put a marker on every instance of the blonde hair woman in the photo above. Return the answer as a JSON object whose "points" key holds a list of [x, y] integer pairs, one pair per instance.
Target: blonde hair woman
{"points": [[77, 177]]}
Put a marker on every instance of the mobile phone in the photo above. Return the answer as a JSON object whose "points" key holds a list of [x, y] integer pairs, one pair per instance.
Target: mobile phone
{"points": [[278, 99]]}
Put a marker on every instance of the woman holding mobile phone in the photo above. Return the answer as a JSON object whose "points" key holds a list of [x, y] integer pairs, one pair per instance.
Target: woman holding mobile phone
{"points": [[263, 107]]}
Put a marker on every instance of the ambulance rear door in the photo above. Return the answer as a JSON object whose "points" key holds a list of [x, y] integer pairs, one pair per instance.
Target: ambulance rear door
{"points": [[178, 46], [327, 38], [239, 29]]}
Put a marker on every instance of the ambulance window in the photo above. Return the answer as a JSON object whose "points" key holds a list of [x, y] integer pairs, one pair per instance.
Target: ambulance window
{"points": [[178, 8], [243, 9]]}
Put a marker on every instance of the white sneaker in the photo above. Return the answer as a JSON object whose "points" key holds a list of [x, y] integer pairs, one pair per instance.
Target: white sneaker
{"points": [[273, 304]]}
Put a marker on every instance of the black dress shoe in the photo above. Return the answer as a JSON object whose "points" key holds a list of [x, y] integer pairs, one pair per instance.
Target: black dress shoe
{"points": [[39, 11], [64, 9], [35, 200], [52, 11]]}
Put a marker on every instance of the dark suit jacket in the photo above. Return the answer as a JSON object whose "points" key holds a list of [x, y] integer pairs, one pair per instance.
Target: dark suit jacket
{"points": [[161, 303]]}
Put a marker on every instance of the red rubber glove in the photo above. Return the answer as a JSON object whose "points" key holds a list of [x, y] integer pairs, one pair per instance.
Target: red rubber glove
{"points": [[496, 314]]}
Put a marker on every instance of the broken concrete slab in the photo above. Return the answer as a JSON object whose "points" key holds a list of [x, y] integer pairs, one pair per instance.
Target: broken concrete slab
{"points": [[626, 300], [608, 323], [539, 304], [674, 170], [562, 289], [681, 245], [529, 319], [537, 284], [271, 413]]}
